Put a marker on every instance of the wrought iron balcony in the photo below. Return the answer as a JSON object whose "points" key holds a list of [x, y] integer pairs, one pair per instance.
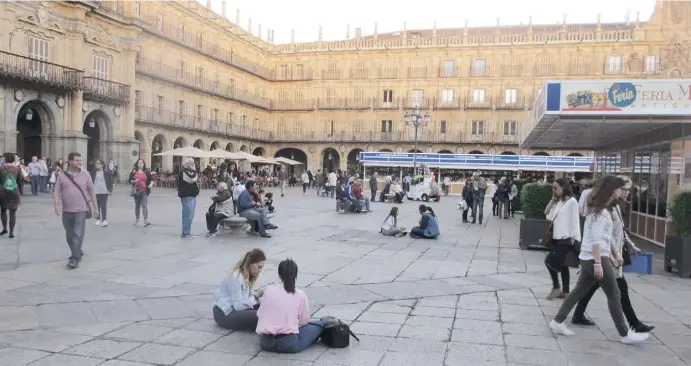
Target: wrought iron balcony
{"points": [[480, 71], [453, 103], [448, 72], [395, 103], [25, 69], [478, 103], [417, 72], [106, 90], [295, 74], [502, 102], [359, 74], [388, 73], [331, 74], [411, 103], [293, 105], [511, 70]]}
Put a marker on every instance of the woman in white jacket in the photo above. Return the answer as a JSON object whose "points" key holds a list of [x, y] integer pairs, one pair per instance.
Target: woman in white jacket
{"points": [[562, 210]]}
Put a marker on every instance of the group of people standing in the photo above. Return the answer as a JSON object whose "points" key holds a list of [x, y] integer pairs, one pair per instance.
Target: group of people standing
{"points": [[600, 254]]}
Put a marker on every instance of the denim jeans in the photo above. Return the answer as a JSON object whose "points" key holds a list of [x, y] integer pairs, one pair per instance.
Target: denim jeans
{"points": [[256, 216], [292, 343], [102, 200], [364, 203], [478, 207], [43, 183], [74, 224], [188, 206], [35, 182]]}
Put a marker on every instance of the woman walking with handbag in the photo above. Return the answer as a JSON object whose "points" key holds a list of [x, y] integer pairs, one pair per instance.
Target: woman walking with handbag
{"points": [[625, 246], [103, 185], [599, 260], [562, 210], [141, 181]]}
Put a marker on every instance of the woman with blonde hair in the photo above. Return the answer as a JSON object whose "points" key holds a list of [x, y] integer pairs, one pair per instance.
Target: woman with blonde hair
{"points": [[236, 301]]}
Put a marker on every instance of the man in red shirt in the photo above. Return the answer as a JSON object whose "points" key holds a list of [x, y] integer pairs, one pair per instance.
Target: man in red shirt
{"points": [[357, 193]]}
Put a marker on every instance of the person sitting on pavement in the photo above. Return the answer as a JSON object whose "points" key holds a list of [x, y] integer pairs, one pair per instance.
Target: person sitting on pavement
{"points": [[359, 197], [284, 316], [221, 208], [397, 190], [428, 227], [390, 226], [236, 302], [252, 211], [343, 203]]}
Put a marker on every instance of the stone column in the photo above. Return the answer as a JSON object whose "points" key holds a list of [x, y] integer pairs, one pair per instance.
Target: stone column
{"points": [[76, 115], [145, 154]]}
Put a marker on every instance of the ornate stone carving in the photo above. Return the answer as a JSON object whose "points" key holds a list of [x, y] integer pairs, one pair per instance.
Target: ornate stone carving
{"points": [[492, 151], [41, 20], [459, 150], [342, 149], [676, 55], [399, 149], [524, 152], [60, 101], [678, 11], [116, 111], [311, 149], [18, 95], [635, 63], [105, 42]]}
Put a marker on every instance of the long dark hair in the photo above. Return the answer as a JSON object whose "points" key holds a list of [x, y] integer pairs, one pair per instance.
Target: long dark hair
{"points": [[566, 189], [424, 209], [393, 213], [288, 273], [601, 198], [135, 167]]}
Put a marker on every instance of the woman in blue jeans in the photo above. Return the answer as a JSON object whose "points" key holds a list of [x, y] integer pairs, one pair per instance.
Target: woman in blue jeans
{"points": [[188, 190], [428, 227], [284, 315]]}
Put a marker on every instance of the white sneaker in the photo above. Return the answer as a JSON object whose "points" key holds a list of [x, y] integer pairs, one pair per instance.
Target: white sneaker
{"points": [[104, 223], [633, 337], [97, 222], [560, 328]]}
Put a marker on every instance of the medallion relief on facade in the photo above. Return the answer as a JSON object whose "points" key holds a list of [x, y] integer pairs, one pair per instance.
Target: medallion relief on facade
{"points": [[676, 55], [635, 63], [678, 11]]}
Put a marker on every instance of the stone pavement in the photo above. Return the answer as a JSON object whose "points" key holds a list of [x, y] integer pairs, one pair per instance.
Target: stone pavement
{"points": [[143, 296]]}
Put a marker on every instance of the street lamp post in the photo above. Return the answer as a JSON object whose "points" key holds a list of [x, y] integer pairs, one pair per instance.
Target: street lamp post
{"points": [[417, 121]]}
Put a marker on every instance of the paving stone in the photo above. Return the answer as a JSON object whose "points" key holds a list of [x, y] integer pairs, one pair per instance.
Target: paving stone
{"points": [[208, 358], [412, 359], [43, 340], [438, 312], [19, 357], [157, 354], [67, 360], [140, 333], [427, 332], [389, 318], [430, 321], [188, 338], [17, 317], [375, 329], [535, 356], [472, 354], [118, 311], [418, 345], [531, 341], [311, 354], [168, 323], [166, 308], [265, 361], [527, 329], [347, 357], [439, 302], [477, 315], [372, 343], [481, 325], [103, 348], [206, 325], [55, 315], [124, 363], [236, 343], [477, 336], [93, 330], [390, 308]]}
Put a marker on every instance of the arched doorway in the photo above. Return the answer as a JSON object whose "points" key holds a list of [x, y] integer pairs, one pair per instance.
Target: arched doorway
{"points": [[476, 152], [214, 146], [540, 153], [445, 151], [177, 160], [331, 160], [95, 128], [413, 150], [29, 130], [244, 148], [353, 161], [230, 147], [294, 154], [199, 144], [508, 153], [157, 148], [259, 151], [576, 155]]}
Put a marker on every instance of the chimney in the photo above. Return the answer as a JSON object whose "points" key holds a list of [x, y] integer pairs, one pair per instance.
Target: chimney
{"points": [[358, 33], [223, 8]]}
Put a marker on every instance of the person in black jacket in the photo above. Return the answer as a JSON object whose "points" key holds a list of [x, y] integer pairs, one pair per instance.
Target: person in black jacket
{"points": [[188, 190], [503, 190]]}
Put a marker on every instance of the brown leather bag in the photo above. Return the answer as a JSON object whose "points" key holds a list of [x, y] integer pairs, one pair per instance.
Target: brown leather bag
{"points": [[548, 237]]}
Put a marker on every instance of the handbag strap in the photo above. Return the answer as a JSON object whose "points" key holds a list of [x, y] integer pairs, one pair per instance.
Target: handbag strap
{"points": [[88, 203], [563, 203]]}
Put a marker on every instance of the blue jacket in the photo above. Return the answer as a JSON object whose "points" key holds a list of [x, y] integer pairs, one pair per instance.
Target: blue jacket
{"points": [[349, 191], [245, 201], [432, 228]]}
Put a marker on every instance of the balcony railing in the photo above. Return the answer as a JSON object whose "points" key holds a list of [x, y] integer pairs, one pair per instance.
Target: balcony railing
{"points": [[359, 74], [106, 90], [26, 69], [417, 72], [189, 122], [411, 103], [478, 103], [331, 74], [448, 72], [501, 102], [293, 105], [395, 103], [295, 75], [453, 103], [387, 73], [511, 70], [479, 71]]}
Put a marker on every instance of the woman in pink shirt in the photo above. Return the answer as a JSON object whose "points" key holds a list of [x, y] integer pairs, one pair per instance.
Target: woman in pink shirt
{"points": [[284, 315]]}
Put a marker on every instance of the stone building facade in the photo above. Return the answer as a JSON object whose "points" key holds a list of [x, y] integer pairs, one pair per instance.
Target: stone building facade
{"points": [[127, 79]]}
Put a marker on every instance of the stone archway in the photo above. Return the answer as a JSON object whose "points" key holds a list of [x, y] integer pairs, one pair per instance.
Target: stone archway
{"points": [[294, 154], [331, 160], [244, 148], [476, 152], [177, 160], [413, 150], [30, 127], [199, 144], [259, 151], [508, 153], [230, 147], [97, 127], [386, 150], [46, 121], [214, 146], [541, 153], [158, 145], [576, 155], [353, 161], [445, 151]]}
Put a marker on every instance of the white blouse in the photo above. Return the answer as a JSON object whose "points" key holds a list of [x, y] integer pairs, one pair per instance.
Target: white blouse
{"points": [[388, 224], [565, 222], [598, 230]]}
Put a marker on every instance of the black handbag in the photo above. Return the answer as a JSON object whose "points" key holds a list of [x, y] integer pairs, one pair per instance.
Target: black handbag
{"points": [[336, 334]]}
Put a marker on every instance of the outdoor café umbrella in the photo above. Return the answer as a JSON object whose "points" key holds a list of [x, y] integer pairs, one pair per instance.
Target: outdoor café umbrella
{"points": [[189, 151], [287, 161], [251, 158], [223, 154]]}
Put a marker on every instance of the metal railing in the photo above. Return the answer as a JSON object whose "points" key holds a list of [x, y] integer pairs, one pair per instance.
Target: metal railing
{"points": [[106, 90], [26, 69]]}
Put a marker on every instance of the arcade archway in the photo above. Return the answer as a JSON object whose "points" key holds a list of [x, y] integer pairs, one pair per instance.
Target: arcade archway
{"points": [[353, 161], [294, 154], [476, 152], [96, 130], [157, 146], [177, 160], [33, 116], [331, 160]]}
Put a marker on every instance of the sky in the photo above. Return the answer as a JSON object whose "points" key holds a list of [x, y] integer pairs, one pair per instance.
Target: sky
{"points": [[305, 16]]}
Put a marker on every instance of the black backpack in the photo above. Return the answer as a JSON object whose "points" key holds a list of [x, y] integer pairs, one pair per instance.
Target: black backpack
{"points": [[336, 334]]}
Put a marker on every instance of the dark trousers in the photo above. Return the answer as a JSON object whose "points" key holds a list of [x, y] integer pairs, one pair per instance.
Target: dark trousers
{"points": [[626, 306], [465, 215], [13, 219], [245, 320], [304, 187], [398, 198], [102, 200], [374, 195], [212, 221], [555, 264]]}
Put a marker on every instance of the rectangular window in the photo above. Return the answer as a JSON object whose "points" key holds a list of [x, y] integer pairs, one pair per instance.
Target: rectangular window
{"points": [[299, 70], [509, 128], [244, 120], [181, 69], [478, 96], [137, 97], [159, 22], [161, 103], [284, 71], [478, 128], [199, 76], [510, 96], [388, 96], [231, 117], [442, 127], [418, 95], [216, 113], [449, 68], [651, 64], [181, 33], [136, 10], [447, 96], [200, 111], [480, 67], [100, 65], [386, 126], [182, 107], [614, 64], [38, 50]]}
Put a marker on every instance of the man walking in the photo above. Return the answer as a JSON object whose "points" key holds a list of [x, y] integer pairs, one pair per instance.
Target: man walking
{"points": [[282, 178], [43, 177], [74, 198], [503, 190], [34, 175], [373, 186], [479, 191]]}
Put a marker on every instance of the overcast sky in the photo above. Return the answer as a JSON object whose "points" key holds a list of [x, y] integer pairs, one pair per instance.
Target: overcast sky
{"points": [[305, 16]]}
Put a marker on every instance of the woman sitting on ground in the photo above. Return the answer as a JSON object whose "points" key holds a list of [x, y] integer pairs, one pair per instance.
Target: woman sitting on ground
{"points": [[284, 317], [428, 227], [222, 208], [236, 301], [390, 226]]}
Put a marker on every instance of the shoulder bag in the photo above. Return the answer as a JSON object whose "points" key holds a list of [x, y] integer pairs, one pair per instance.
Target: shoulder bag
{"points": [[89, 214], [625, 254], [336, 334], [548, 237]]}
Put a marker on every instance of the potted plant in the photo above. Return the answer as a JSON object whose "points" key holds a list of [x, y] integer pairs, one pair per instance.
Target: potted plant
{"points": [[678, 246], [534, 200]]}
